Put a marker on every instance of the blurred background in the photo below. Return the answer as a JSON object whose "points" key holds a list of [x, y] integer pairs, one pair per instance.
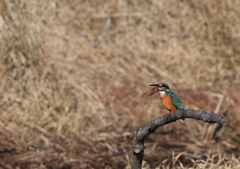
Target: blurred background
{"points": [[75, 75]]}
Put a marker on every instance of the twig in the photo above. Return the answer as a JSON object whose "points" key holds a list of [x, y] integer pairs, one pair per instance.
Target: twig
{"points": [[24, 65], [220, 101], [112, 15], [142, 133]]}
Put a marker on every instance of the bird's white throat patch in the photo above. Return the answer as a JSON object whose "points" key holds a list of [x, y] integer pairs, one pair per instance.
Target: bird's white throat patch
{"points": [[161, 92]]}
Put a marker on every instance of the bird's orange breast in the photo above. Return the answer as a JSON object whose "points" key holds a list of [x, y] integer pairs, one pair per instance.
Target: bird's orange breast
{"points": [[166, 101]]}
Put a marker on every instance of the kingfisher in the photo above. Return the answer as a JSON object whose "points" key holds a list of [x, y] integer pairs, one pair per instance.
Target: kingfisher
{"points": [[169, 99]]}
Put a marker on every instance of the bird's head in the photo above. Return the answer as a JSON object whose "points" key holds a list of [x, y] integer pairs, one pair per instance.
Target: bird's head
{"points": [[158, 87], [161, 85]]}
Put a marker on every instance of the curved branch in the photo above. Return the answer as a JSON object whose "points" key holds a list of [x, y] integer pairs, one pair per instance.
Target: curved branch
{"points": [[142, 133]]}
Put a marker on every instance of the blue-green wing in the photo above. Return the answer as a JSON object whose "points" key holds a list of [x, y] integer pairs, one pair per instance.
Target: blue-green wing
{"points": [[176, 100]]}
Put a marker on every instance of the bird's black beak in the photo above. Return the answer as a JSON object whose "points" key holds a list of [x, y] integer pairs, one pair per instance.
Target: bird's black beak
{"points": [[154, 85]]}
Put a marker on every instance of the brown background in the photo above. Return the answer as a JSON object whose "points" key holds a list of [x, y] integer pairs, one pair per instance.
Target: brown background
{"points": [[75, 75]]}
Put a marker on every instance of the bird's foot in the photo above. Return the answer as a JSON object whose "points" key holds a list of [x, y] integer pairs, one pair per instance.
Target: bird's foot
{"points": [[167, 114]]}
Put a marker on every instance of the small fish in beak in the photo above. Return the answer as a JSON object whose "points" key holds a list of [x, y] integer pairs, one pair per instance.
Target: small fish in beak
{"points": [[154, 90]]}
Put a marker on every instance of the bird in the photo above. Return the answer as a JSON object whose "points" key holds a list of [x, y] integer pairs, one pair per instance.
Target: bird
{"points": [[169, 99]]}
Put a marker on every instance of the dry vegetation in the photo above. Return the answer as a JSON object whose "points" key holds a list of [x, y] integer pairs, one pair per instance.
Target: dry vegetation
{"points": [[75, 75]]}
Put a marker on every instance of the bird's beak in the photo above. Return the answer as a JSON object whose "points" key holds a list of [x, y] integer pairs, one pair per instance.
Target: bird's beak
{"points": [[155, 90], [154, 85]]}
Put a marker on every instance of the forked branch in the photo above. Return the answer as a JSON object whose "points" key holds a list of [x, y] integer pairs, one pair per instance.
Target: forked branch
{"points": [[142, 133]]}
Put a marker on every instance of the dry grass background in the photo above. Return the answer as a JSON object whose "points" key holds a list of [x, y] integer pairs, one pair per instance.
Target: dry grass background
{"points": [[75, 76]]}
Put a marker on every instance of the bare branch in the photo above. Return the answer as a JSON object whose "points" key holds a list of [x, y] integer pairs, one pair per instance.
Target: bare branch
{"points": [[142, 133]]}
